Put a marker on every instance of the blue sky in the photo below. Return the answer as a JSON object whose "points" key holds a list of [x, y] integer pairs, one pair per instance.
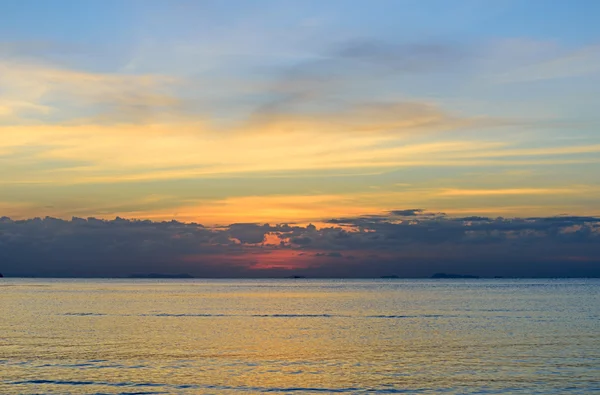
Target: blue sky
{"points": [[391, 102]]}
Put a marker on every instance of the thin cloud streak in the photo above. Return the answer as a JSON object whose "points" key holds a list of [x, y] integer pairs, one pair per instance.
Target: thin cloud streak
{"points": [[521, 191]]}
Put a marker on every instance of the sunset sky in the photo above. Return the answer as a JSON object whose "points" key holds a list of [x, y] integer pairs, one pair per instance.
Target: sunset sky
{"points": [[351, 115]]}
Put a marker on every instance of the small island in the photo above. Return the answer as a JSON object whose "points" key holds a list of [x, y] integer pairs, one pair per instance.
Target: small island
{"points": [[390, 276], [452, 275]]}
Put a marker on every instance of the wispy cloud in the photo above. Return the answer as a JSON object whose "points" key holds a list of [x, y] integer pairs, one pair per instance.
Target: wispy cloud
{"points": [[509, 191], [581, 62], [64, 95]]}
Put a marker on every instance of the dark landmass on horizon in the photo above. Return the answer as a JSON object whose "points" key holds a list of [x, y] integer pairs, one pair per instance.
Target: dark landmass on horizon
{"points": [[160, 275], [452, 275]]}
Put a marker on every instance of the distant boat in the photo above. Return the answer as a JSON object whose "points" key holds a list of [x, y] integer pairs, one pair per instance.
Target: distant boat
{"points": [[296, 277]]}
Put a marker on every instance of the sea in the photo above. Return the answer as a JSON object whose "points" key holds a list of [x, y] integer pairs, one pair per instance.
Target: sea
{"points": [[299, 336]]}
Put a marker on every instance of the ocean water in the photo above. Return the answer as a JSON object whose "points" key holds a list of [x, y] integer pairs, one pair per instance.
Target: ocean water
{"points": [[299, 336]]}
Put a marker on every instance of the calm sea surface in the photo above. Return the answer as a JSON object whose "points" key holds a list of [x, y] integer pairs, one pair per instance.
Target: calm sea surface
{"points": [[299, 336]]}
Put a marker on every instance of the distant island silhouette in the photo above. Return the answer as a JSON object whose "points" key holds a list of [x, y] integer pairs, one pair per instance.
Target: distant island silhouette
{"points": [[452, 275], [390, 276], [160, 275], [296, 277]]}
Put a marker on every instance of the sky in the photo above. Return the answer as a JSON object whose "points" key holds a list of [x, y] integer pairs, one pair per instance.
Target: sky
{"points": [[331, 138]]}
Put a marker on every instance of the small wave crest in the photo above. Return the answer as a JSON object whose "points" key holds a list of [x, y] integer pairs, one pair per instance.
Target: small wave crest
{"points": [[85, 314], [207, 387]]}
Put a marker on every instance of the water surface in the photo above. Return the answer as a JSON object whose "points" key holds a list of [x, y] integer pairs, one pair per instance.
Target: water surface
{"points": [[299, 336]]}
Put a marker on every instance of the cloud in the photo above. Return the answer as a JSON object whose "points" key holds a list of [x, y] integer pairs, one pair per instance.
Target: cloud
{"points": [[132, 127], [315, 115], [418, 57], [414, 246], [375, 118], [408, 213], [329, 254], [580, 62], [338, 90], [301, 240], [299, 99], [40, 92], [508, 191], [249, 233], [108, 143]]}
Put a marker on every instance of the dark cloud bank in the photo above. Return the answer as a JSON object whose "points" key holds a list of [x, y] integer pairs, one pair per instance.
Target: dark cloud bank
{"points": [[407, 243]]}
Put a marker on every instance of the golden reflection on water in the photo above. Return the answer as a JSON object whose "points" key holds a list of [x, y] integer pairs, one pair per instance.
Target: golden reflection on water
{"points": [[117, 336]]}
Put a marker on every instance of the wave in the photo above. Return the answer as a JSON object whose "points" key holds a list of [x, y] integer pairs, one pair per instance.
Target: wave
{"points": [[275, 315], [184, 315], [410, 316], [298, 315], [210, 387], [244, 315], [84, 314]]}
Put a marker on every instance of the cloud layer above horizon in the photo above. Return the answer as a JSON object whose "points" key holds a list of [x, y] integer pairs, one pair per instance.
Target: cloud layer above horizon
{"points": [[406, 243], [299, 111]]}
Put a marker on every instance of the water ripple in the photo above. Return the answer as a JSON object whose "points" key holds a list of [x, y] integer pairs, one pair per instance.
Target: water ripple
{"points": [[84, 314], [216, 387]]}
